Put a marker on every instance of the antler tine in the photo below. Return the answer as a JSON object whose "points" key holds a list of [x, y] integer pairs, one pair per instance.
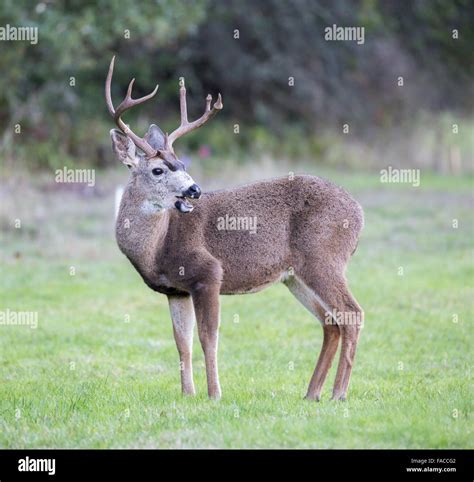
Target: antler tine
{"points": [[108, 85], [182, 102], [208, 102], [187, 126], [126, 104]]}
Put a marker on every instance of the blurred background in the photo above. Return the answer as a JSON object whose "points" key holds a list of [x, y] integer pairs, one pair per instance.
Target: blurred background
{"points": [[289, 90]]}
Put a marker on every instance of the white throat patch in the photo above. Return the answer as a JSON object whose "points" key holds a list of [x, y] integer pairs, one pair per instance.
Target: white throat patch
{"points": [[151, 207]]}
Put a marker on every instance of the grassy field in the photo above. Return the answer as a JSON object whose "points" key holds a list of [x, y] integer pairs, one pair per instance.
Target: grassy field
{"points": [[101, 369]]}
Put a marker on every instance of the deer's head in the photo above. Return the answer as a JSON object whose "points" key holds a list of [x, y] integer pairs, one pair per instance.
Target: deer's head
{"points": [[158, 173]]}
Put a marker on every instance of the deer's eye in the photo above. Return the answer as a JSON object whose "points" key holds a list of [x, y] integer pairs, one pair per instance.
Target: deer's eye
{"points": [[157, 171]]}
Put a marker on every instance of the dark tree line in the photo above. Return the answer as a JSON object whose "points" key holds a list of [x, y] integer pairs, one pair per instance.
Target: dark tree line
{"points": [[269, 58]]}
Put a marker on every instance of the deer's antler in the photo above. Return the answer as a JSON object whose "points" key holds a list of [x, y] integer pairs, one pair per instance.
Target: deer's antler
{"points": [[186, 126], [126, 104]]}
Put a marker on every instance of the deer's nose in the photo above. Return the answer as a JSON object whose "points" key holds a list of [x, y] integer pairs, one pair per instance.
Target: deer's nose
{"points": [[193, 191]]}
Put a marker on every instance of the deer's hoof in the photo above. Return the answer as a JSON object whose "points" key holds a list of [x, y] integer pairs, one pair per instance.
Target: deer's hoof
{"points": [[215, 396]]}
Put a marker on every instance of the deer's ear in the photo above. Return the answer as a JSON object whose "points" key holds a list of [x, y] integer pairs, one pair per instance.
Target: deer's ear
{"points": [[155, 137], [124, 147]]}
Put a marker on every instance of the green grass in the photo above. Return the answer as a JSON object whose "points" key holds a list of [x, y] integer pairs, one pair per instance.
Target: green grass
{"points": [[101, 369]]}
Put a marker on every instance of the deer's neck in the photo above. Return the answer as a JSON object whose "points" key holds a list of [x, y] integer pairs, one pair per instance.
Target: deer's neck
{"points": [[141, 231]]}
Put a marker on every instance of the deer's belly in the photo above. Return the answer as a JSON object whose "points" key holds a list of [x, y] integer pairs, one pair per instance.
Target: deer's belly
{"points": [[242, 287]]}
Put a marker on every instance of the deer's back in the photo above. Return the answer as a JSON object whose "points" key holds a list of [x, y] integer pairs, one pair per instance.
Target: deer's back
{"points": [[259, 231]]}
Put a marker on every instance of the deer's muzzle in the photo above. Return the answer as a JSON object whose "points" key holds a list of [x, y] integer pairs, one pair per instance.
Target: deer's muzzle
{"points": [[182, 204]]}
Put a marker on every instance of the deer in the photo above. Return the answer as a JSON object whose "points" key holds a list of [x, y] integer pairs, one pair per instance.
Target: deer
{"points": [[307, 229]]}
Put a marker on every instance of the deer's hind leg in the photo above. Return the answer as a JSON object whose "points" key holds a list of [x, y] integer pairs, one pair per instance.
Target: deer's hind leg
{"points": [[345, 313], [312, 303], [350, 325]]}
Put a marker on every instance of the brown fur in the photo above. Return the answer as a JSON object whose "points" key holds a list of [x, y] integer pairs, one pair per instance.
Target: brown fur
{"points": [[307, 229]]}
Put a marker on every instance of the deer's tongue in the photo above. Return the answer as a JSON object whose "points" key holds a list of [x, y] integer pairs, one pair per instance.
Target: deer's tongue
{"points": [[183, 206]]}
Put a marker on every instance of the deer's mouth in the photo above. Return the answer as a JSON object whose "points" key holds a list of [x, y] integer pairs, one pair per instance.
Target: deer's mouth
{"points": [[183, 205]]}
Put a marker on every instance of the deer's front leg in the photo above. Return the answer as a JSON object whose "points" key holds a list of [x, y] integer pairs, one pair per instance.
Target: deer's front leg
{"points": [[207, 309], [182, 314]]}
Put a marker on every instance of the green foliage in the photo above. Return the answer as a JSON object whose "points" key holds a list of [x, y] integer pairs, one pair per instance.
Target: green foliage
{"points": [[55, 89]]}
